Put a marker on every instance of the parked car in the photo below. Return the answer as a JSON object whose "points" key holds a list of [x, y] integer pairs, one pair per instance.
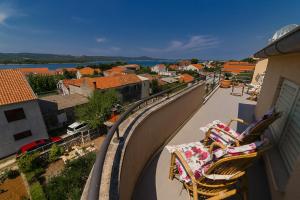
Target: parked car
{"points": [[77, 127], [36, 144]]}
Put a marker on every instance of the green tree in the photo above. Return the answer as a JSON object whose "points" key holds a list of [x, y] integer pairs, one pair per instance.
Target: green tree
{"points": [[96, 111], [194, 60], [69, 74], [54, 152], [43, 83], [28, 162]]}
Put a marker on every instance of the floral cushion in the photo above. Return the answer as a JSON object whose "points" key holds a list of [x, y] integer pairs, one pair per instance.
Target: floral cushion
{"points": [[223, 138], [197, 157], [200, 160]]}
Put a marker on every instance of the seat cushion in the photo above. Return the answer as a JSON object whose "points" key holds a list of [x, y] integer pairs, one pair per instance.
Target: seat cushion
{"points": [[197, 157], [220, 136]]}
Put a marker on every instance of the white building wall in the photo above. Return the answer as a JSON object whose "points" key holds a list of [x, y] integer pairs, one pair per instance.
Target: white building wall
{"points": [[33, 122]]}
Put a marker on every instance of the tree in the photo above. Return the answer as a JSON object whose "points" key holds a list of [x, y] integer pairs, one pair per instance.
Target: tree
{"points": [[69, 74], [249, 60], [194, 60], [43, 83], [98, 108], [55, 152]]}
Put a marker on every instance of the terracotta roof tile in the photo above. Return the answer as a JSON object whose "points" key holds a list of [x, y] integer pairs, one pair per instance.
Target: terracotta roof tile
{"points": [[116, 81], [88, 71], [186, 78], [198, 66], [41, 71], [237, 67], [14, 87]]}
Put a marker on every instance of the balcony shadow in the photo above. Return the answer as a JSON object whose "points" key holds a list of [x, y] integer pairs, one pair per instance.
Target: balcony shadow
{"points": [[257, 178]]}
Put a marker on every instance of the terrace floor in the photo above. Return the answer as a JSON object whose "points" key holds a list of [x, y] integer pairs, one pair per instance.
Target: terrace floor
{"points": [[154, 182]]}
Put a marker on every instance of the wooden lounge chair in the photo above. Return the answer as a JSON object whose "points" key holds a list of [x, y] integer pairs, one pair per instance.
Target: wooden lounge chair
{"points": [[221, 178], [227, 136]]}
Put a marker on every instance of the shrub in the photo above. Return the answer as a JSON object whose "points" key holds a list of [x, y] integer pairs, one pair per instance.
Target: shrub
{"points": [[33, 176], [36, 192], [54, 152], [28, 162], [12, 173], [69, 184]]}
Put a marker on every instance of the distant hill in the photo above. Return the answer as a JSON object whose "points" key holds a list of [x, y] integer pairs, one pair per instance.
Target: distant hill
{"points": [[36, 58]]}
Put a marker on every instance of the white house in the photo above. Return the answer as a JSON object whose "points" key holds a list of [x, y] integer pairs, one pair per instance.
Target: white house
{"points": [[21, 121], [159, 68], [194, 67]]}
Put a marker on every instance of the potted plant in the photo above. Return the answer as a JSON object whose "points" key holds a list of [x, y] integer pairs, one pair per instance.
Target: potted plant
{"points": [[226, 82]]}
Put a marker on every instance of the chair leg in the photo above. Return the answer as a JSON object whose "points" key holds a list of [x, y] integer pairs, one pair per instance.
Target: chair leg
{"points": [[245, 187], [172, 167], [195, 191]]}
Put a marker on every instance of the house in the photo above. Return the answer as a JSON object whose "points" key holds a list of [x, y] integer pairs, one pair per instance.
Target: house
{"points": [[119, 70], [237, 67], [59, 110], [21, 121], [134, 67], [167, 73], [186, 78], [167, 80], [87, 71], [159, 68], [60, 71], [281, 89], [39, 71], [259, 72], [130, 86], [194, 67]]}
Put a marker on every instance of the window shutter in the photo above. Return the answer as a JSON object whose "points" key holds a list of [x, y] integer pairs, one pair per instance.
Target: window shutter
{"points": [[284, 104], [289, 144]]}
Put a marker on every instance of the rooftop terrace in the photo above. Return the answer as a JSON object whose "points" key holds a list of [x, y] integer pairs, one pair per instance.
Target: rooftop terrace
{"points": [[143, 163]]}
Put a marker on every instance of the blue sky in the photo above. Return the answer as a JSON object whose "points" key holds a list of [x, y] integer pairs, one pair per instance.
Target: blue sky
{"points": [[206, 29]]}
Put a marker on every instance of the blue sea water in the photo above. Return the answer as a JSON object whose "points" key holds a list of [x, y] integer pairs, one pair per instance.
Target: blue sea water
{"points": [[145, 63]]}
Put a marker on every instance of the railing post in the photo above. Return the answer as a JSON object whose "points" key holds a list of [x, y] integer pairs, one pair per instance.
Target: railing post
{"points": [[118, 133]]}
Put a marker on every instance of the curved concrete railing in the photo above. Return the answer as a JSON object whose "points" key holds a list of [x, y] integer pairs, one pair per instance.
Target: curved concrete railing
{"points": [[143, 133]]}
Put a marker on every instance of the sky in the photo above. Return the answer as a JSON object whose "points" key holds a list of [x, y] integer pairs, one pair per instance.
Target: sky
{"points": [[204, 29]]}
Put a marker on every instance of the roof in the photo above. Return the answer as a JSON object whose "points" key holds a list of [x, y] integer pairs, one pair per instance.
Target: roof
{"points": [[14, 87], [289, 43], [41, 71], [186, 78], [149, 76], [116, 81], [160, 66], [237, 67], [69, 69], [174, 67], [76, 82], [66, 101], [198, 66], [88, 71], [169, 80]]}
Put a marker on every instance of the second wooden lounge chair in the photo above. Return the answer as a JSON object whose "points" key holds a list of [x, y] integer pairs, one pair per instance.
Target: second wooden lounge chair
{"points": [[222, 133]]}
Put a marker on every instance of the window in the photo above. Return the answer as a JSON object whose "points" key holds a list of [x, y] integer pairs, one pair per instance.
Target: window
{"points": [[15, 114], [22, 135]]}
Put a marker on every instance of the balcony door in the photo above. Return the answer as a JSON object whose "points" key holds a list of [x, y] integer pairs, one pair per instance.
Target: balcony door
{"points": [[286, 130]]}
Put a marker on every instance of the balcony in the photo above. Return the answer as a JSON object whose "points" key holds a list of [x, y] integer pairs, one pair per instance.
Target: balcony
{"points": [[137, 166]]}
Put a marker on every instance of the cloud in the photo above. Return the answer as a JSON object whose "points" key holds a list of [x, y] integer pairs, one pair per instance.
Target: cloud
{"points": [[100, 39], [8, 10], [194, 43]]}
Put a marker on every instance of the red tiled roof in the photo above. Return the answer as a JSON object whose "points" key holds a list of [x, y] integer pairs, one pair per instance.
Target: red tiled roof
{"points": [[41, 71], [186, 78], [88, 71], [69, 69], [198, 66], [237, 67], [14, 87], [116, 81], [173, 67]]}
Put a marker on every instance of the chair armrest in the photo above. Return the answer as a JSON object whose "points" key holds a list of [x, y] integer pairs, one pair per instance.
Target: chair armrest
{"points": [[236, 141], [215, 144], [185, 165], [237, 120]]}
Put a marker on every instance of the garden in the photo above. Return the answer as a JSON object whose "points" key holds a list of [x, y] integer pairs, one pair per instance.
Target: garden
{"points": [[50, 178]]}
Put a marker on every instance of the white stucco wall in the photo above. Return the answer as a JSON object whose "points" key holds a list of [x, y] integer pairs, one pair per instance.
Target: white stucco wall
{"points": [[33, 122]]}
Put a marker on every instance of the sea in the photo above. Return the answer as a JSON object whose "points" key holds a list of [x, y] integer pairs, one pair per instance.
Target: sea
{"points": [[144, 63]]}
